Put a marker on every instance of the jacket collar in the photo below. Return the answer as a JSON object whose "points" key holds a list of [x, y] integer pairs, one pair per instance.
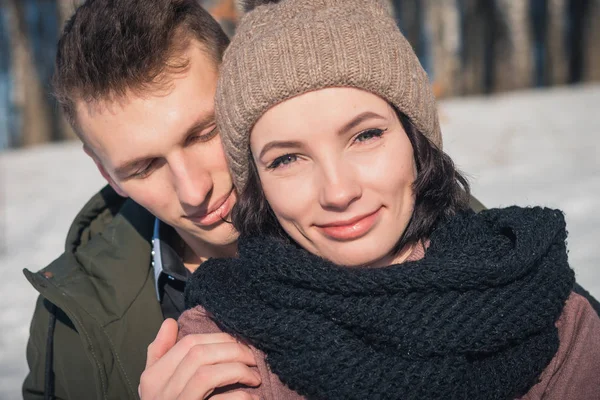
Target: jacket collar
{"points": [[107, 258]]}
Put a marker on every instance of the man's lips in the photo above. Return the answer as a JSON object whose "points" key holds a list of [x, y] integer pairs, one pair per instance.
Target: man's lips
{"points": [[350, 229], [219, 211]]}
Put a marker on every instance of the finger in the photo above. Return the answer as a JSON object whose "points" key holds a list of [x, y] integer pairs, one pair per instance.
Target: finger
{"points": [[174, 356], [164, 341], [220, 353], [206, 355], [206, 378], [210, 338], [235, 395]]}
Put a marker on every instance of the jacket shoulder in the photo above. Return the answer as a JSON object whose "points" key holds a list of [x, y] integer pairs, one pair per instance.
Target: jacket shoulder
{"points": [[106, 227], [91, 220]]}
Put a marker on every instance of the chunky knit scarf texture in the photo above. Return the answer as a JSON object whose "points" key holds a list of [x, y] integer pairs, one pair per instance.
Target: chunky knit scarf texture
{"points": [[474, 319]]}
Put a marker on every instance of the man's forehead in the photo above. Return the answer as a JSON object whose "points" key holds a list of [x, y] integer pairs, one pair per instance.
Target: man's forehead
{"points": [[123, 140], [142, 123]]}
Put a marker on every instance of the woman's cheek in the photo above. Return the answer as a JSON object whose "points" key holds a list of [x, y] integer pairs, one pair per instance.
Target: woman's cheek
{"points": [[376, 166], [288, 196]]}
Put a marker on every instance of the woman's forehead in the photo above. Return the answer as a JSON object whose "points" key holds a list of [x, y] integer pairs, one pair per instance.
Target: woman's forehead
{"points": [[338, 109]]}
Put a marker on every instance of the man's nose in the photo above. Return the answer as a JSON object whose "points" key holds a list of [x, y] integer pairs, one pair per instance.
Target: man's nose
{"points": [[193, 184]]}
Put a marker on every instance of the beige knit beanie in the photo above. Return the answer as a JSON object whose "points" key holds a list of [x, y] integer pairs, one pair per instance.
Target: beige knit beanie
{"points": [[282, 49]]}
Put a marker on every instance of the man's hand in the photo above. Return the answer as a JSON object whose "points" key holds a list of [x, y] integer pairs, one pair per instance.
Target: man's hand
{"points": [[195, 366]]}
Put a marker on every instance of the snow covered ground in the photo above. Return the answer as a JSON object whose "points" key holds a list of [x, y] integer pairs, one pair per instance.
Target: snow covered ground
{"points": [[535, 147]]}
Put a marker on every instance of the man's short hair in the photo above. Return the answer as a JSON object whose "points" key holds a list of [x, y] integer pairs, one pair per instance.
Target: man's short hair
{"points": [[111, 47]]}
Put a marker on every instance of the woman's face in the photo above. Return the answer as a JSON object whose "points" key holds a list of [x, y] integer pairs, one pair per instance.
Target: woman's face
{"points": [[337, 168]]}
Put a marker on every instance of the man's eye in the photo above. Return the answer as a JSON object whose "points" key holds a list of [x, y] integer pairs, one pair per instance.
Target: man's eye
{"points": [[141, 174], [283, 160], [369, 134], [204, 137]]}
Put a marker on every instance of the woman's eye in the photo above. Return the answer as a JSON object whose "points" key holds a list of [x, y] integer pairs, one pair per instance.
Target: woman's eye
{"points": [[283, 160], [369, 134]]}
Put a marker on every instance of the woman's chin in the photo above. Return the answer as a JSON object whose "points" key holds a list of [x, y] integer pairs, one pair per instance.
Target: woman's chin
{"points": [[358, 259]]}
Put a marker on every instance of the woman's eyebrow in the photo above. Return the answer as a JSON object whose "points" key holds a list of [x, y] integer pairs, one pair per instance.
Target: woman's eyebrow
{"points": [[279, 144], [354, 122], [358, 120]]}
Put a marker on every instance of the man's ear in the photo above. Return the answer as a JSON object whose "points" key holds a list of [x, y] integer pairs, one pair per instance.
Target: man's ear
{"points": [[103, 171]]}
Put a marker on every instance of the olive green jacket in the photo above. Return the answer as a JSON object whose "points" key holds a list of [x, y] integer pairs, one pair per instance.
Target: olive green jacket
{"points": [[104, 300]]}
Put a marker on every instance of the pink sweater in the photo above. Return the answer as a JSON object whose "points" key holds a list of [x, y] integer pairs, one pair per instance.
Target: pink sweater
{"points": [[573, 373]]}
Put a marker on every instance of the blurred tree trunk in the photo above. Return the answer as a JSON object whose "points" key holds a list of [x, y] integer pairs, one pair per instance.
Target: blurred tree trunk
{"points": [[591, 50], [557, 56], [474, 26], [408, 18], [443, 23], [225, 12], [29, 96], [65, 8], [513, 53], [390, 6]]}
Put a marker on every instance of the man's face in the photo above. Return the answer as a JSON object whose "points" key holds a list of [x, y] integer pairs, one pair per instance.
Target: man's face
{"points": [[163, 150]]}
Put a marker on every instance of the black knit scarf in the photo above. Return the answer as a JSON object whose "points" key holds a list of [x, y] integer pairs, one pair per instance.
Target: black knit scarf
{"points": [[474, 319]]}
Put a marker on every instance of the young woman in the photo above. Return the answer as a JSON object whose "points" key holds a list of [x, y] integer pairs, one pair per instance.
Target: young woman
{"points": [[361, 271]]}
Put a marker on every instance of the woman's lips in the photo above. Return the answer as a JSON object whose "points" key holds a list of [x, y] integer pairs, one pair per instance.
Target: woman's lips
{"points": [[351, 229], [217, 215]]}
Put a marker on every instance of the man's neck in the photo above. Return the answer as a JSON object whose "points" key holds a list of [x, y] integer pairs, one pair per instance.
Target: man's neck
{"points": [[194, 252]]}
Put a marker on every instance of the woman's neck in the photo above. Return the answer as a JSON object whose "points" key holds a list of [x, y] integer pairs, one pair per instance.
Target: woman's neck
{"points": [[410, 252]]}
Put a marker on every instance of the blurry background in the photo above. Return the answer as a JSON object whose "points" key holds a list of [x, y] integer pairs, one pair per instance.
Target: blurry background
{"points": [[519, 89], [467, 47]]}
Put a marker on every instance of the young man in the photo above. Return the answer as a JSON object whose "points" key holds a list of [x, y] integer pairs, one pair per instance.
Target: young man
{"points": [[136, 79]]}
